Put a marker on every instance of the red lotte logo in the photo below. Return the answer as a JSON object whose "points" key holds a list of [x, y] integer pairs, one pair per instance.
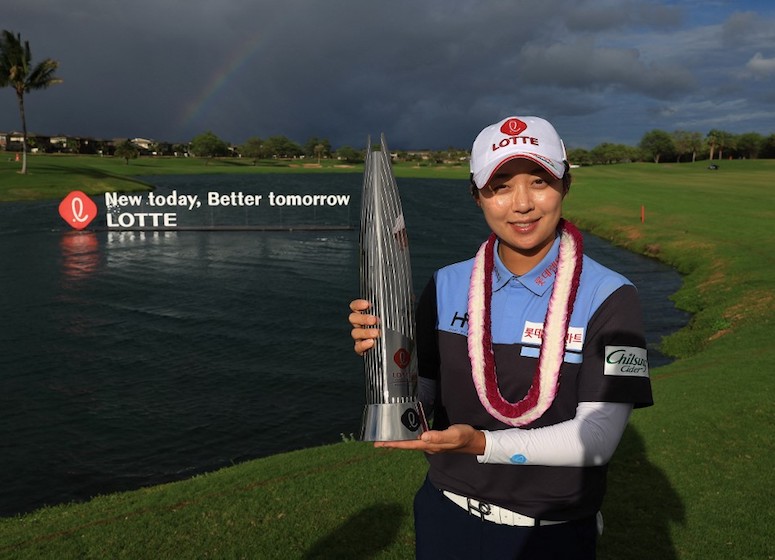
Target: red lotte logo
{"points": [[78, 210], [513, 127], [402, 357]]}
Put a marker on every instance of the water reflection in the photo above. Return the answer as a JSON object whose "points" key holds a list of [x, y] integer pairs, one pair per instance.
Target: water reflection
{"points": [[122, 237], [80, 254]]}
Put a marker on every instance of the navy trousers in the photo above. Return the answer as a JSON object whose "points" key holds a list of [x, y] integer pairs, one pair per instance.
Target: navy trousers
{"points": [[444, 531]]}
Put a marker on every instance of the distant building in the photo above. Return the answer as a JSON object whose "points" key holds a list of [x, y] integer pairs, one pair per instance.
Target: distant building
{"points": [[144, 144], [59, 143]]}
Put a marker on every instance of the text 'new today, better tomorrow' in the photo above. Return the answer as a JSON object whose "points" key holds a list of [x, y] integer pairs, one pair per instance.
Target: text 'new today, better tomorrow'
{"points": [[156, 210]]}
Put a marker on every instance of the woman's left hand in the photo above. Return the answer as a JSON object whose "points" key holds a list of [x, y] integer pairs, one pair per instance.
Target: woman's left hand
{"points": [[458, 438]]}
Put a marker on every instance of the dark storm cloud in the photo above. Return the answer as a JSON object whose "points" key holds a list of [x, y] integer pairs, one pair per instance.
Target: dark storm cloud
{"points": [[746, 28], [600, 15], [427, 73], [585, 66]]}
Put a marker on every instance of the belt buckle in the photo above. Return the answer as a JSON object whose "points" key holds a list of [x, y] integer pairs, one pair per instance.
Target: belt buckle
{"points": [[482, 509]]}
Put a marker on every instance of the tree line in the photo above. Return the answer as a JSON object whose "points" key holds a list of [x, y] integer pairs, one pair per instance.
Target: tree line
{"points": [[208, 145], [655, 145], [679, 146]]}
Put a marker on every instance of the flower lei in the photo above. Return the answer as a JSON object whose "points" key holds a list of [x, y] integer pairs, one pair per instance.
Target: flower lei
{"points": [[546, 379]]}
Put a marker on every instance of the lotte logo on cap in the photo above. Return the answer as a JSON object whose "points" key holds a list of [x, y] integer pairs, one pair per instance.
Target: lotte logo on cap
{"points": [[78, 210], [513, 127]]}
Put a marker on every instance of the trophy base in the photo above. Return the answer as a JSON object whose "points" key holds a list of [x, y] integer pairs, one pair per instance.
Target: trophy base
{"points": [[393, 422]]}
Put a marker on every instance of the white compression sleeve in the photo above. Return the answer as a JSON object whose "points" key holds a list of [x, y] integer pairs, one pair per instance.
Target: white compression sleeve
{"points": [[589, 439]]}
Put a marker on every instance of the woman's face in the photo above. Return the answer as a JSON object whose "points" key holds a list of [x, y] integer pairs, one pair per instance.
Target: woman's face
{"points": [[522, 204]]}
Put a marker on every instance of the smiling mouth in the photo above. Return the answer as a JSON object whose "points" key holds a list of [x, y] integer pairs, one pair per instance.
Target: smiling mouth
{"points": [[523, 225]]}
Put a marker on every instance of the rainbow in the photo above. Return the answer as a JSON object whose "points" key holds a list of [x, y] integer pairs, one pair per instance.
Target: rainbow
{"points": [[220, 78]]}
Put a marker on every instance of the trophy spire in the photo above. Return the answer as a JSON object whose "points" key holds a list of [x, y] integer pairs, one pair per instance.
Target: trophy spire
{"points": [[392, 411]]}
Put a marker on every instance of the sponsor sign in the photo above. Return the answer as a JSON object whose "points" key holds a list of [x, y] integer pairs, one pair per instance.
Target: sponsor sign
{"points": [[176, 210], [77, 210]]}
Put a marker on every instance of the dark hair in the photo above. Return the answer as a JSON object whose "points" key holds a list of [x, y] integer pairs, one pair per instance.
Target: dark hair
{"points": [[567, 179]]}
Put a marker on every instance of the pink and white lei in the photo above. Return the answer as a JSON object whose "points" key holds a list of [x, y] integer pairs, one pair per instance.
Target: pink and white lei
{"points": [[546, 379]]}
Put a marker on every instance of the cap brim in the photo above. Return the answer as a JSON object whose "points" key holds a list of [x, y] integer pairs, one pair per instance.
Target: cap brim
{"points": [[552, 166]]}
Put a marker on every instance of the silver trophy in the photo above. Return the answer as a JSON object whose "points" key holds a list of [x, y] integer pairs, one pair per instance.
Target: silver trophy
{"points": [[392, 412]]}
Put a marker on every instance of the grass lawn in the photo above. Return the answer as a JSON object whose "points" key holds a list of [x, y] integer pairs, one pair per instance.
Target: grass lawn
{"points": [[692, 478], [53, 176]]}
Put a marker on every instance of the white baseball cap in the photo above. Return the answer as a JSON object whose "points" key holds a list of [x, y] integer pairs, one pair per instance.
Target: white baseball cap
{"points": [[530, 138]]}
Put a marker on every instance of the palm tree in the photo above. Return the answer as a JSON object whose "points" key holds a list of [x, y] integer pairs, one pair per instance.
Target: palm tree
{"points": [[319, 149], [16, 70], [713, 138]]}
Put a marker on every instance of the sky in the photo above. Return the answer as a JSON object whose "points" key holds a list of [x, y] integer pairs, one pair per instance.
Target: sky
{"points": [[429, 74]]}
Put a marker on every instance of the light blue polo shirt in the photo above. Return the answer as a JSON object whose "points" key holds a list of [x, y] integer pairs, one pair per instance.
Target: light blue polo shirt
{"points": [[519, 303]]}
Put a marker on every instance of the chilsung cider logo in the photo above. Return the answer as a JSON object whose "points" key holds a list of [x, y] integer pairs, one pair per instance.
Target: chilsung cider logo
{"points": [[628, 361], [78, 210]]}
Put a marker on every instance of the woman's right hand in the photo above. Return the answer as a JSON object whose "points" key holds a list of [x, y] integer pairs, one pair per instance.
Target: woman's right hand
{"points": [[364, 334]]}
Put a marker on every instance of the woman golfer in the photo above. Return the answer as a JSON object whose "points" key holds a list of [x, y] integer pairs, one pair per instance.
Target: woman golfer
{"points": [[531, 357]]}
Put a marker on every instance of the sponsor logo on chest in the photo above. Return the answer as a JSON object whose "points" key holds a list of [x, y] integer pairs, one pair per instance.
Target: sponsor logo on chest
{"points": [[532, 335]]}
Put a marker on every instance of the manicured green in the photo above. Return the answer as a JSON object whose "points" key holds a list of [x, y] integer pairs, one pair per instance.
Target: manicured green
{"points": [[340, 501], [692, 478], [53, 176]]}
